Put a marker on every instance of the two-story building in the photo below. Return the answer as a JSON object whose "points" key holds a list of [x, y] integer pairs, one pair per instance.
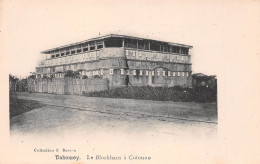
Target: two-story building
{"points": [[123, 60]]}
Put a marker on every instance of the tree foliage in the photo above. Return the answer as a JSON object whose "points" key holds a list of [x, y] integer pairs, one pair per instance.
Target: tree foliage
{"points": [[72, 74]]}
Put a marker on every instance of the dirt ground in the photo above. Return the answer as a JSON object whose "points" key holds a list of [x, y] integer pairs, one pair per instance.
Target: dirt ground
{"points": [[106, 126], [78, 113]]}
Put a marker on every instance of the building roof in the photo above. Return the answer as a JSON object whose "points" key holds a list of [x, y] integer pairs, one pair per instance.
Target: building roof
{"points": [[199, 74], [203, 76], [113, 35]]}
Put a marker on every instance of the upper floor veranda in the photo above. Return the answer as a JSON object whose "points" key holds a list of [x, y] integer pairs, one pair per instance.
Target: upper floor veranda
{"points": [[114, 40]]}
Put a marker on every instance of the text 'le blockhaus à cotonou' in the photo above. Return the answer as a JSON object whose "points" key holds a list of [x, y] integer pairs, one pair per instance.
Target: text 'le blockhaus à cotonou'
{"points": [[122, 60]]}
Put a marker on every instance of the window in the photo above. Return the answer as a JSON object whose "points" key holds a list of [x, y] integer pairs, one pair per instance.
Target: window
{"points": [[184, 50], [130, 43], [53, 56], [182, 73], [134, 72], [155, 46], [183, 58], [72, 52], [111, 71], [187, 73], [127, 72], [101, 72], [85, 49], [147, 73], [146, 45], [57, 55], [169, 73], [99, 46], [152, 73], [67, 53], [122, 71], [140, 44], [141, 72], [158, 73], [178, 73], [92, 46], [175, 49], [173, 74], [113, 42], [163, 73]]}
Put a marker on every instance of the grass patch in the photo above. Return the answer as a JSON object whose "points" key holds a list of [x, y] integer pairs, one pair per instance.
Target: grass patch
{"points": [[19, 106], [176, 94]]}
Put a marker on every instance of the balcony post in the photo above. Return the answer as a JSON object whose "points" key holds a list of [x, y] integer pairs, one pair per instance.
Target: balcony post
{"points": [[95, 45], [104, 43]]}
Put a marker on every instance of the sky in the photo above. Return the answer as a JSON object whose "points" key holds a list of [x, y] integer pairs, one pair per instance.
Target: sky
{"points": [[217, 30]]}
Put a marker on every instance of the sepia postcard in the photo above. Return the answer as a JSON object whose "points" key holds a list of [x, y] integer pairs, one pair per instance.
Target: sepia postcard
{"points": [[115, 81]]}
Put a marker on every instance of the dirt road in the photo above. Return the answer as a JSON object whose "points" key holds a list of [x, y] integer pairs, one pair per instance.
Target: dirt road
{"points": [[164, 131], [64, 113]]}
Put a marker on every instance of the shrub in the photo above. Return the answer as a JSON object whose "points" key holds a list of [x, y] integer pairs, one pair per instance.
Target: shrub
{"points": [[71, 74], [96, 77], [177, 93], [32, 77]]}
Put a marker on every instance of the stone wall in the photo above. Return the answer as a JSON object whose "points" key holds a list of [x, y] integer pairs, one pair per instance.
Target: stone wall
{"points": [[67, 85]]}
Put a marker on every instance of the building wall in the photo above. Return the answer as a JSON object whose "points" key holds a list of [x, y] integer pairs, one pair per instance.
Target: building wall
{"points": [[67, 86], [129, 61], [204, 81]]}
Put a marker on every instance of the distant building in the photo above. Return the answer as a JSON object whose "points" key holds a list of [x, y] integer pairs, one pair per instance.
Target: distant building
{"points": [[200, 79], [122, 60]]}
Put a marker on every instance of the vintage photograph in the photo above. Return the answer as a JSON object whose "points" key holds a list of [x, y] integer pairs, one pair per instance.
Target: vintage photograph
{"points": [[119, 78], [117, 81]]}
